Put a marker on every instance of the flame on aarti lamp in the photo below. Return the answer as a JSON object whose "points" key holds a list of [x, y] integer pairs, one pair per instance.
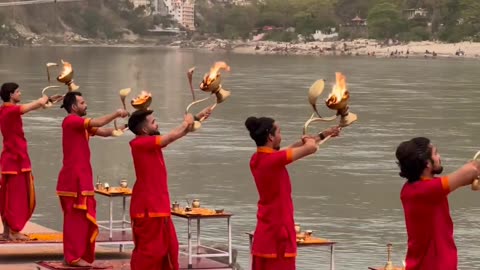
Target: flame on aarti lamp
{"points": [[210, 77], [339, 90], [67, 68]]}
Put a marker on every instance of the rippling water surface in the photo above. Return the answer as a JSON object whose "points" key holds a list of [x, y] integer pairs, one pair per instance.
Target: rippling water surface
{"points": [[347, 192]]}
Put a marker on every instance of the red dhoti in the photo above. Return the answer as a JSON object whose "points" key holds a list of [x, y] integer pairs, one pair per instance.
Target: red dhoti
{"points": [[278, 261], [17, 199], [156, 244], [80, 228], [282, 263]]}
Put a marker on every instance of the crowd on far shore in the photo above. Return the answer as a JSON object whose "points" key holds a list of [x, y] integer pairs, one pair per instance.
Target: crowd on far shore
{"points": [[372, 48]]}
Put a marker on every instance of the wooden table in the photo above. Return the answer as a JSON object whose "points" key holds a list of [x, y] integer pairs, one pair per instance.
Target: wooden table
{"points": [[308, 242], [112, 193], [199, 214]]}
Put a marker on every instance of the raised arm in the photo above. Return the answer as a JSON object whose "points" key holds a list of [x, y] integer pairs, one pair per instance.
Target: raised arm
{"points": [[329, 132], [104, 132], [34, 105], [178, 132], [464, 176], [332, 131], [309, 147], [104, 120], [298, 143], [204, 113]]}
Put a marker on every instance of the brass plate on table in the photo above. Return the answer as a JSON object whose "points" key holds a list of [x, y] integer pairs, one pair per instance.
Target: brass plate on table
{"points": [[198, 211], [116, 190]]}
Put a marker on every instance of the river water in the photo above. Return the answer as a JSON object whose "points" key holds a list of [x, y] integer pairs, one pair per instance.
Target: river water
{"points": [[347, 192]]}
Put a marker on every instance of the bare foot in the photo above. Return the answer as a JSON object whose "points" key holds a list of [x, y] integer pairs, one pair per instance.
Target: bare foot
{"points": [[6, 231], [17, 236], [80, 263]]}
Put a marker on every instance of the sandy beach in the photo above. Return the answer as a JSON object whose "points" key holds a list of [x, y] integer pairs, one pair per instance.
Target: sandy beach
{"points": [[359, 47], [341, 48]]}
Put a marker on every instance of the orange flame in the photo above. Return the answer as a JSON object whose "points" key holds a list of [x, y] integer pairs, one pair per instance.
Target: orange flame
{"points": [[214, 72], [339, 90], [67, 68], [142, 98], [145, 94]]}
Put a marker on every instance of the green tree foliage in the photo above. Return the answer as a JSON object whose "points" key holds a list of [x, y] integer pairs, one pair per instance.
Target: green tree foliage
{"points": [[385, 20], [209, 18], [345, 10], [470, 14], [281, 12], [165, 21], [232, 21], [449, 20], [311, 15], [240, 21]]}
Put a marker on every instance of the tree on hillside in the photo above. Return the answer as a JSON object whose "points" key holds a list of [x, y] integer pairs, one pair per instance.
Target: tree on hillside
{"points": [[209, 18], [414, 4], [345, 10], [470, 14], [311, 15], [385, 17], [385, 20], [276, 13], [240, 21]]}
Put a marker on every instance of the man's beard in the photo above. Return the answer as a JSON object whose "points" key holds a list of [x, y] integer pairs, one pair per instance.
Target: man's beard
{"points": [[438, 170], [154, 133], [277, 147]]}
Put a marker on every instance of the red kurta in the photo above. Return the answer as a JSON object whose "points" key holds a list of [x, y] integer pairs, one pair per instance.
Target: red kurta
{"points": [[156, 244], [429, 225], [17, 192], [75, 188], [274, 238]]}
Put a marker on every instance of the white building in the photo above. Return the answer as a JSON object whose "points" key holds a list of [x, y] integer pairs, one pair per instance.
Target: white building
{"points": [[183, 11], [415, 13], [322, 37]]}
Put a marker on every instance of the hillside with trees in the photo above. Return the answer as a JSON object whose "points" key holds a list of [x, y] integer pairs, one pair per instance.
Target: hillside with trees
{"points": [[107, 20], [446, 20]]}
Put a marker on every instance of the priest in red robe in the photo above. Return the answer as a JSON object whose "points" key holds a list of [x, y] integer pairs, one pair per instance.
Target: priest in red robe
{"points": [[156, 244], [274, 240], [17, 192], [75, 180]]}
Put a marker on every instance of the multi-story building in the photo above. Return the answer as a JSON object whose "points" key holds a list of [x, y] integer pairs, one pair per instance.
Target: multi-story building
{"points": [[183, 11], [187, 18]]}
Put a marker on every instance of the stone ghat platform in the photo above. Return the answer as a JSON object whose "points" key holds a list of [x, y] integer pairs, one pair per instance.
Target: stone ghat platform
{"points": [[45, 251]]}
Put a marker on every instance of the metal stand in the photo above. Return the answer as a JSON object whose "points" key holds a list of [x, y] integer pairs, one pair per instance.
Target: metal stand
{"points": [[198, 246], [123, 224], [299, 245]]}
